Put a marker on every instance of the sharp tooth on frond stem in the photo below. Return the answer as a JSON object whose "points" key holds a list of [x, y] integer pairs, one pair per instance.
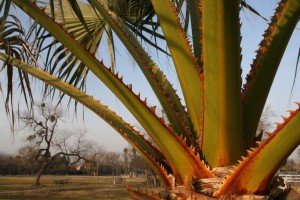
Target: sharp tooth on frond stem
{"points": [[145, 101], [279, 125], [269, 133], [153, 108], [284, 118], [292, 112], [249, 152], [162, 119]]}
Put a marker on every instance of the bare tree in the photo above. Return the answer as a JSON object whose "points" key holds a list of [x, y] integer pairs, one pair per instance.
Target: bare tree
{"points": [[137, 163], [75, 145], [51, 142], [95, 155], [27, 155], [114, 159], [265, 123]]}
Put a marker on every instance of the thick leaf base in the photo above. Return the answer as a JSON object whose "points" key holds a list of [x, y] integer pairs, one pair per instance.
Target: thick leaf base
{"points": [[180, 193]]}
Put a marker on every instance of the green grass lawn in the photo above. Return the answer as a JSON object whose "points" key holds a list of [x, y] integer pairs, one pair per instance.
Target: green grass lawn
{"points": [[81, 187]]}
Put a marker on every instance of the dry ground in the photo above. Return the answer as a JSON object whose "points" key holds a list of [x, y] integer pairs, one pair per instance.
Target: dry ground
{"points": [[81, 187], [296, 186]]}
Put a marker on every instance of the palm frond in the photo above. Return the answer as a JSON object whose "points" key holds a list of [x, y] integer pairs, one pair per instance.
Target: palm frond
{"points": [[12, 42], [218, 126], [264, 67], [250, 8], [296, 70], [84, 25]]}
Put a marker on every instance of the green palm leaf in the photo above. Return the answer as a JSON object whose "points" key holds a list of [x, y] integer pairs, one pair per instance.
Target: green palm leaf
{"points": [[220, 121], [254, 175], [12, 43], [71, 68], [264, 67]]}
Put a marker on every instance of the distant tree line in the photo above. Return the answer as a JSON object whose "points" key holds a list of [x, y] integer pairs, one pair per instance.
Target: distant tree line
{"points": [[20, 165], [103, 163], [24, 163]]}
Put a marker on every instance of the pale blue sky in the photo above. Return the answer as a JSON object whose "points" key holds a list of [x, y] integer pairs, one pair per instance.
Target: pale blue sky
{"points": [[102, 133]]}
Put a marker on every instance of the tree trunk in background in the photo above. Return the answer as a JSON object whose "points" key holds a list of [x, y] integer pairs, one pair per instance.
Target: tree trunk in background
{"points": [[39, 174]]}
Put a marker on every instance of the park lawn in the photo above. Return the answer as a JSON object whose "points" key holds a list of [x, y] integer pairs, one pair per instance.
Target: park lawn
{"points": [[81, 187]]}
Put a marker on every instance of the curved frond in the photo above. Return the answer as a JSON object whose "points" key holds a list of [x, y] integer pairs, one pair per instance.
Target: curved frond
{"points": [[157, 80], [255, 172], [187, 71], [266, 63], [132, 11]]}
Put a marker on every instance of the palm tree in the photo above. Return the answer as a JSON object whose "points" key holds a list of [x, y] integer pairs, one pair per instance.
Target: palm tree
{"points": [[208, 142]]}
